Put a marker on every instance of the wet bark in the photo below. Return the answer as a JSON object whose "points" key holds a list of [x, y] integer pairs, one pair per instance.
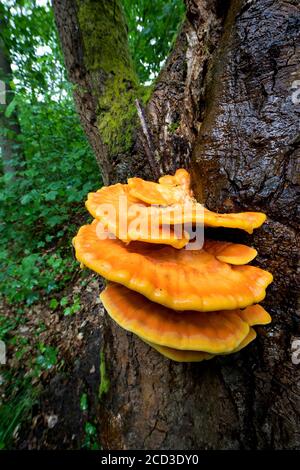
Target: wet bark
{"points": [[228, 84]]}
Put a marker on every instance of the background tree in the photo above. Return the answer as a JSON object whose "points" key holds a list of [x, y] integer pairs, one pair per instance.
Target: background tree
{"points": [[11, 154]]}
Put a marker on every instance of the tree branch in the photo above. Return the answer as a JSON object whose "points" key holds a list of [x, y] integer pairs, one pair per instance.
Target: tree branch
{"points": [[147, 141]]}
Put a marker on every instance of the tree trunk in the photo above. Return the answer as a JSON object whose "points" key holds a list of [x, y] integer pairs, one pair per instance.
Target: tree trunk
{"points": [[9, 126], [223, 106]]}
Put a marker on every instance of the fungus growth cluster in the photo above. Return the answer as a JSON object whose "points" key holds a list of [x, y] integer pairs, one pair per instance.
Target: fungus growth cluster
{"points": [[188, 304]]}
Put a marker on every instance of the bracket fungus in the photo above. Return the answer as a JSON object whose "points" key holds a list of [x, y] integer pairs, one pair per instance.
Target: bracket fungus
{"points": [[217, 332], [178, 279], [129, 210], [129, 219], [180, 355], [188, 304]]}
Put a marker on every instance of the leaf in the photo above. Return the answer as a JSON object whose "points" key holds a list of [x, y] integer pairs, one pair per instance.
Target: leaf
{"points": [[51, 196], [84, 402], [49, 357], [10, 108], [53, 304], [64, 301], [25, 199], [68, 311], [90, 429], [55, 220]]}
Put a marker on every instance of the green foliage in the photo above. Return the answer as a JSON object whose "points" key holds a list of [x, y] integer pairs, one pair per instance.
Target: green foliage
{"points": [[73, 308], [41, 204], [90, 440], [48, 357], [12, 413], [84, 402], [173, 127], [153, 26]]}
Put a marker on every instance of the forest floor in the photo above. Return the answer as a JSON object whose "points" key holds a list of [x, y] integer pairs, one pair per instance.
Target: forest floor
{"points": [[50, 398]]}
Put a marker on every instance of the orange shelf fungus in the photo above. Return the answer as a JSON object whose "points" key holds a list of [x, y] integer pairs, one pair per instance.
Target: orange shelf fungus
{"points": [[155, 193], [181, 178], [169, 190], [124, 216], [197, 356], [232, 253], [178, 279], [186, 302], [123, 208], [218, 332]]}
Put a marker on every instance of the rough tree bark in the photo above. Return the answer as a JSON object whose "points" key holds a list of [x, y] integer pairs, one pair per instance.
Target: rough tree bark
{"points": [[223, 107]]}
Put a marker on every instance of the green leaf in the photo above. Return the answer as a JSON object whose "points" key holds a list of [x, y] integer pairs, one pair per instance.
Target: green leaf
{"points": [[64, 301], [48, 359], [55, 220], [10, 108], [25, 199], [51, 196], [84, 402], [68, 311], [90, 429], [53, 304]]}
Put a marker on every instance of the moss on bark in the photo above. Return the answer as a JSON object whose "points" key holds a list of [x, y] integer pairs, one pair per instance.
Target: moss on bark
{"points": [[104, 32]]}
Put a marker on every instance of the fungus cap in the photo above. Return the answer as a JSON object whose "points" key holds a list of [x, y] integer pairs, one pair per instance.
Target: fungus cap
{"points": [[255, 315], [170, 189], [232, 253], [125, 208], [128, 219], [196, 356], [179, 279], [181, 178], [124, 216], [155, 193], [215, 332], [174, 190]]}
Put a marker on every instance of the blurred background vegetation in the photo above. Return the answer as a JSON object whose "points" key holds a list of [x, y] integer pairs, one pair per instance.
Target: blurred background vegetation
{"points": [[47, 168]]}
